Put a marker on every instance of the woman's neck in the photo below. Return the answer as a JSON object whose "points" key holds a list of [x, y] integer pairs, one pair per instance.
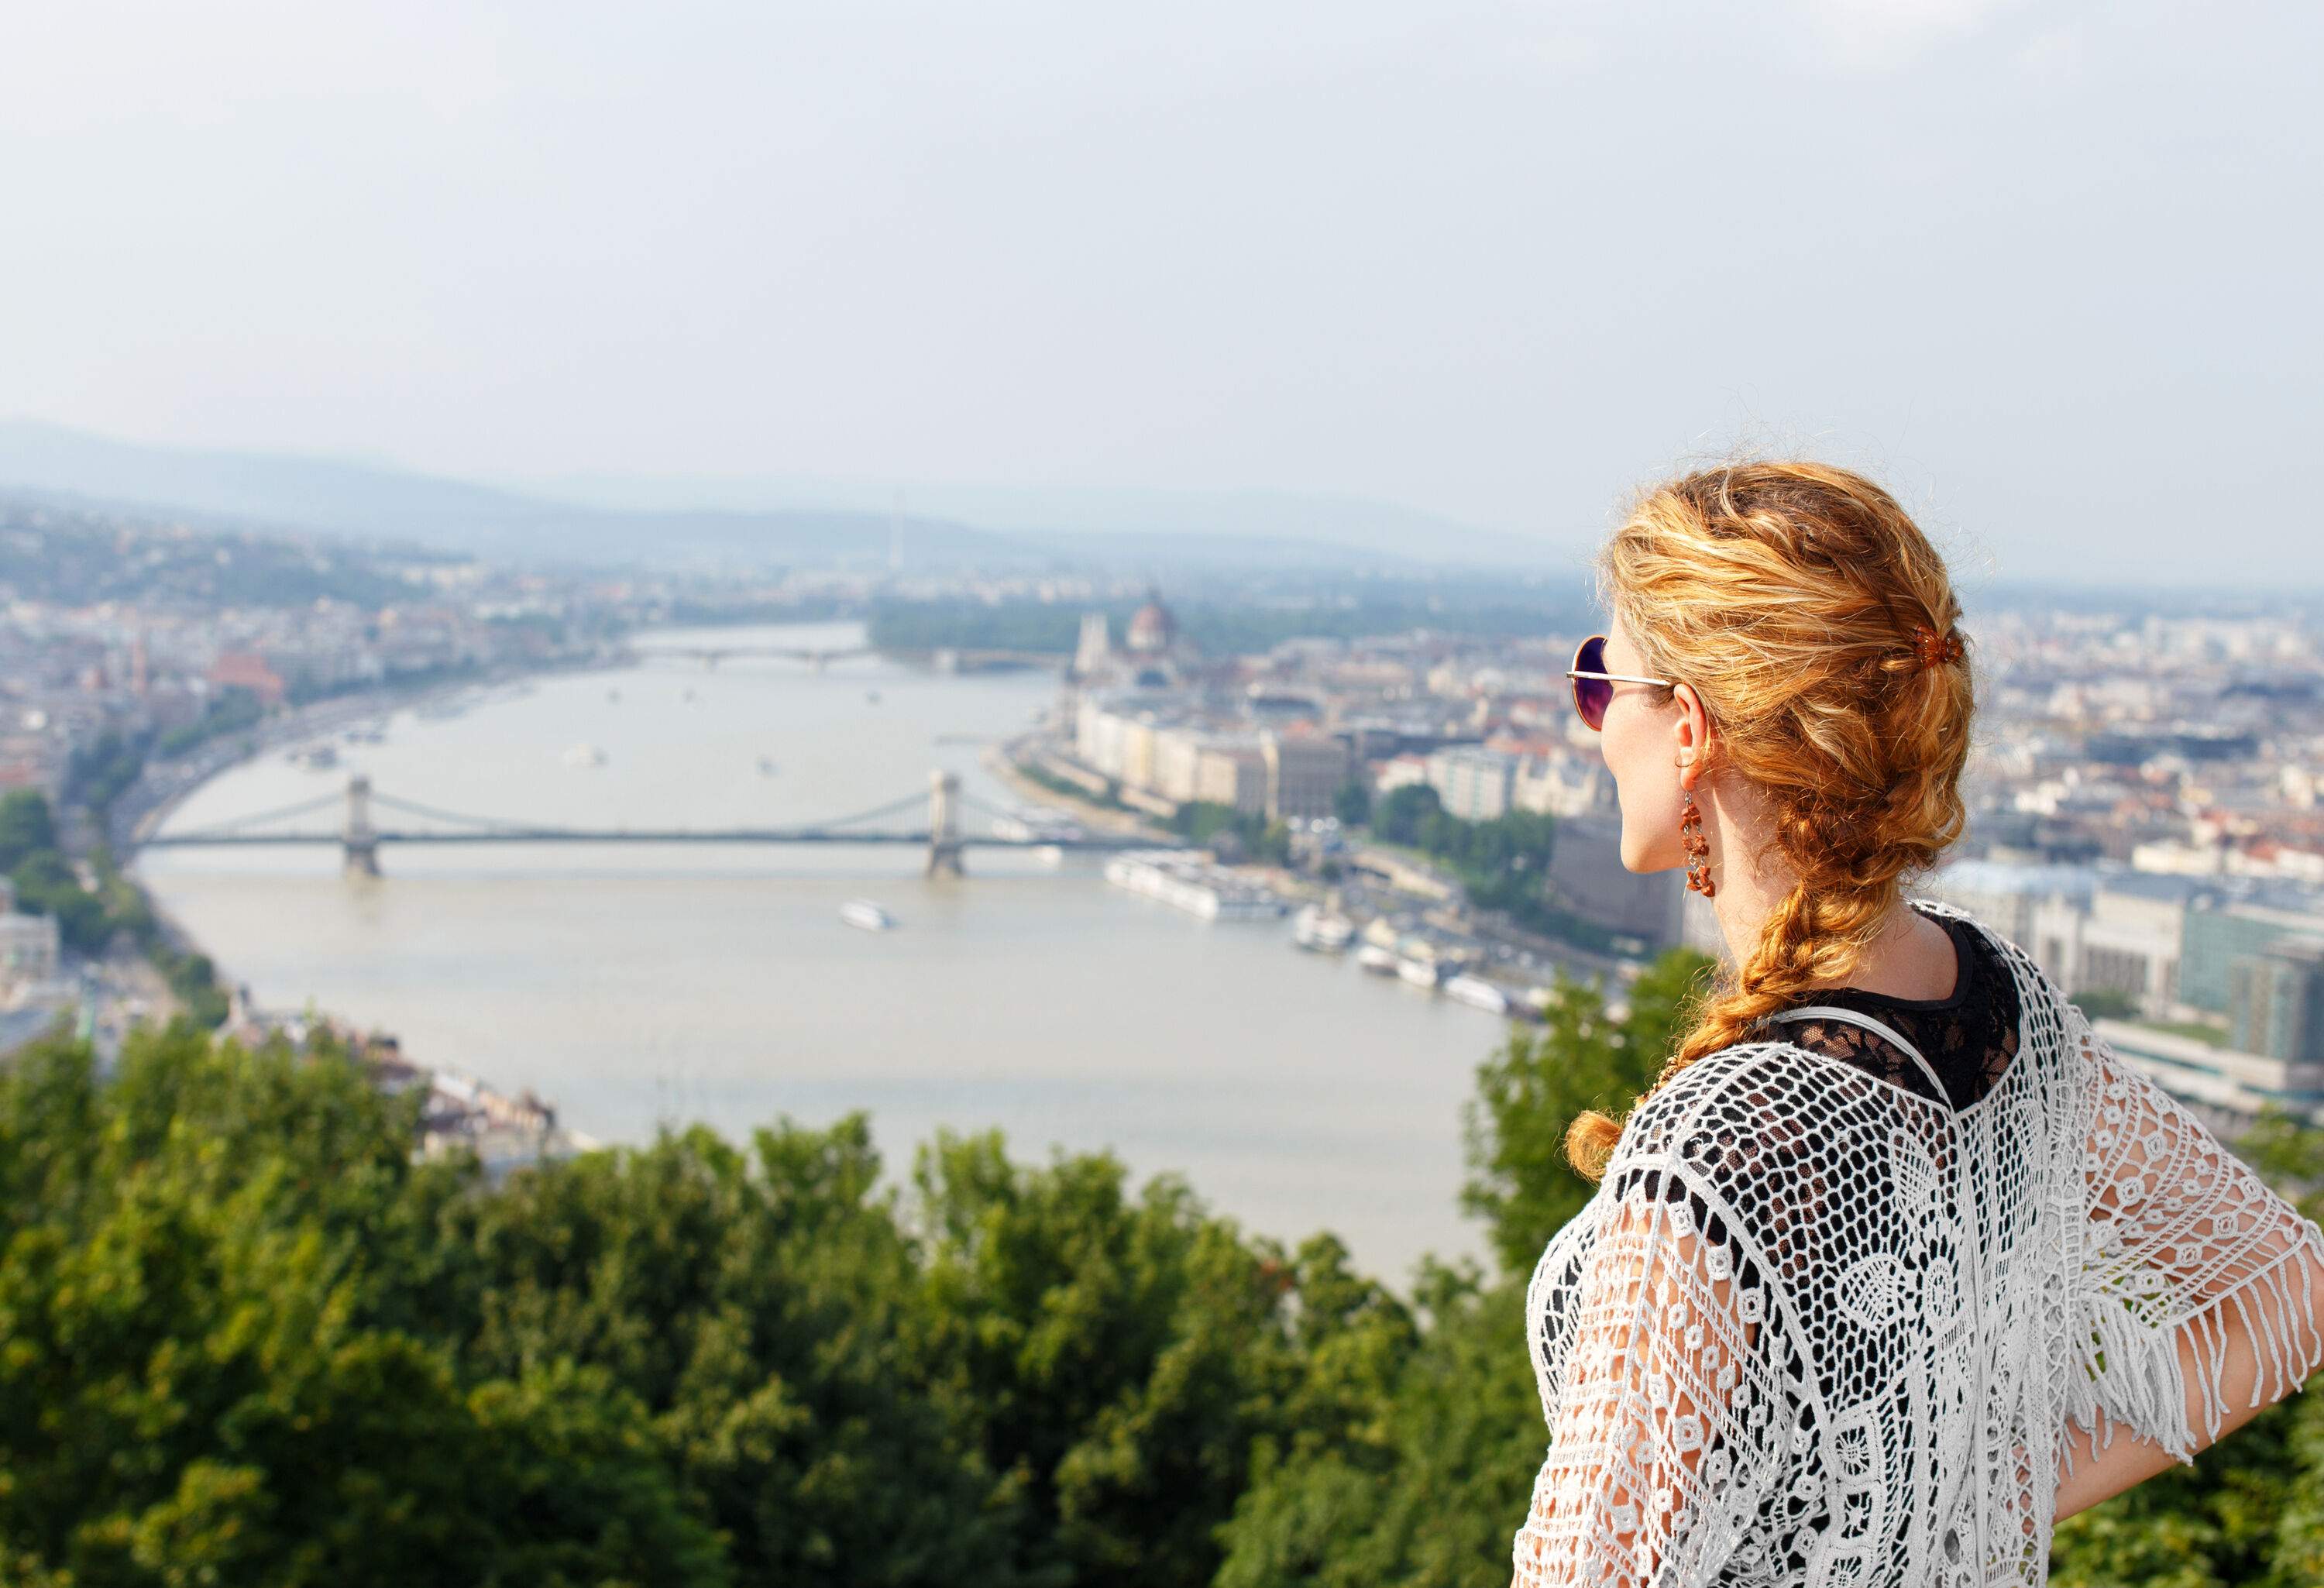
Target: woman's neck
{"points": [[1911, 956]]}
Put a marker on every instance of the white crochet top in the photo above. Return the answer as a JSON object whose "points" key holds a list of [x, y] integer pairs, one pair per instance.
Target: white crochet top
{"points": [[1816, 1329]]}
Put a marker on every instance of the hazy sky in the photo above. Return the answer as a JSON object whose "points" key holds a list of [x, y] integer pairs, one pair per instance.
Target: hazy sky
{"points": [[2053, 268]]}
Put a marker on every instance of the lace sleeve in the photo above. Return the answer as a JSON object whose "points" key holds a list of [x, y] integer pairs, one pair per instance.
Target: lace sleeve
{"points": [[2180, 1236], [1656, 1416]]}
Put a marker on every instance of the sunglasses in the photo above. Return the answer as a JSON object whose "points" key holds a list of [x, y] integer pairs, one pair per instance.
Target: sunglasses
{"points": [[1593, 686]]}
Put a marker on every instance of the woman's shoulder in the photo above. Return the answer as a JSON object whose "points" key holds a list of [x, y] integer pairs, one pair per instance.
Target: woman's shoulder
{"points": [[1717, 1102]]}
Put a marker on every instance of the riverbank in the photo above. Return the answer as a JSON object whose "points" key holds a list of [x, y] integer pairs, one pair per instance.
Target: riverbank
{"points": [[461, 1112], [161, 787], [1007, 762]]}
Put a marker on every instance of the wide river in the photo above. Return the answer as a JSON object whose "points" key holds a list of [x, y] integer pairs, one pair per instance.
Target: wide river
{"points": [[648, 984]]}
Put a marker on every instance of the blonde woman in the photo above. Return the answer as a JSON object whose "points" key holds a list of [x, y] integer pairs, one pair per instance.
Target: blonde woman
{"points": [[1895, 1264]]}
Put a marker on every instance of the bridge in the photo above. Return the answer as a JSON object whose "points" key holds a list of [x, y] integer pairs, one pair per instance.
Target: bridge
{"points": [[710, 654], [944, 659], [360, 838]]}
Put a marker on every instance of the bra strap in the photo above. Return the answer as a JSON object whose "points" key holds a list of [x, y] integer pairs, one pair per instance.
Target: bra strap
{"points": [[1887, 1033]]}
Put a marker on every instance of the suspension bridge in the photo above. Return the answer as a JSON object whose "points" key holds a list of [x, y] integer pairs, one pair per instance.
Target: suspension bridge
{"points": [[709, 656], [360, 837], [945, 659]]}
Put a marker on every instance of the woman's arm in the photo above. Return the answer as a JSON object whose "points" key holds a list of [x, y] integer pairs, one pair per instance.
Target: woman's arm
{"points": [[2200, 1300], [2098, 1475]]}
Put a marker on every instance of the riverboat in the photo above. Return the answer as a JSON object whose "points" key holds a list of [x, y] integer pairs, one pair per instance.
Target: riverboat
{"points": [[1418, 971], [1325, 931], [1180, 877], [1476, 992], [867, 915]]}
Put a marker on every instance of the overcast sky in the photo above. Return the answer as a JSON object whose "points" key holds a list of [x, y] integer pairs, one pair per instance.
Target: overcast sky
{"points": [[2051, 268]]}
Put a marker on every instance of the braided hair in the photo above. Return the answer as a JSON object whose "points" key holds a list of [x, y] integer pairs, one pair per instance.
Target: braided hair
{"points": [[1817, 623]]}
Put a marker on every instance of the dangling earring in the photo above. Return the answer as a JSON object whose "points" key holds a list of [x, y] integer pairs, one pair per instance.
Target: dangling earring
{"points": [[1697, 847]]}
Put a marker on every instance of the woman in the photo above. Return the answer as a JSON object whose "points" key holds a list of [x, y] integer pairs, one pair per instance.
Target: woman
{"points": [[1895, 1264]]}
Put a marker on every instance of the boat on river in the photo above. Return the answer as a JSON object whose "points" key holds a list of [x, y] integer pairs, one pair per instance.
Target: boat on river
{"points": [[1418, 971], [1182, 877], [1326, 931], [867, 915], [1477, 993]]}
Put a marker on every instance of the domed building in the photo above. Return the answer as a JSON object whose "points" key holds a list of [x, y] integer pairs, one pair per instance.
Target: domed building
{"points": [[1152, 631]]}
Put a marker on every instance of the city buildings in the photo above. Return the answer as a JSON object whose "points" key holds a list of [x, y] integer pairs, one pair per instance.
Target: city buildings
{"points": [[2143, 792], [1473, 782], [1304, 773]]}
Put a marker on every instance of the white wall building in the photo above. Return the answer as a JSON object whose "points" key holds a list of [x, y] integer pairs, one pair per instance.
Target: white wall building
{"points": [[1563, 785], [1472, 782], [29, 953]]}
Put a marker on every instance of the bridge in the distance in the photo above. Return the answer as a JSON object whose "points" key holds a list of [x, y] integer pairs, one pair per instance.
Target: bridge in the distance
{"points": [[360, 837], [709, 654], [945, 659]]}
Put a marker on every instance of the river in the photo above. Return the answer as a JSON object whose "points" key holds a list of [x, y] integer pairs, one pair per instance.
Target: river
{"points": [[642, 986]]}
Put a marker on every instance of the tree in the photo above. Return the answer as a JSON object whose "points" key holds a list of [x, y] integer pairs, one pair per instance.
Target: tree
{"points": [[1415, 1468], [26, 827], [757, 1306], [2106, 1003], [1119, 1353], [200, 1385]]}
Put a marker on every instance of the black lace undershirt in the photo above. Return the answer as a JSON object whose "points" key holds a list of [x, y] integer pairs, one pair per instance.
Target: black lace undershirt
{"points": [[1968, 1036]]}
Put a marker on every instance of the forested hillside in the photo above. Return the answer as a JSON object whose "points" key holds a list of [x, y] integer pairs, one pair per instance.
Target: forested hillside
{"points": [[246, 1340]]}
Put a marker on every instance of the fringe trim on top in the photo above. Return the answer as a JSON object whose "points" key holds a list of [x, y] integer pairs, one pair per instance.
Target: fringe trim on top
{"points": [[2130, 1372]]}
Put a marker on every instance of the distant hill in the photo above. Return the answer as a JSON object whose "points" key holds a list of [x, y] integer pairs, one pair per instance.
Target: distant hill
{"points": [[1225, 527], [334, 495], [677, 523]]}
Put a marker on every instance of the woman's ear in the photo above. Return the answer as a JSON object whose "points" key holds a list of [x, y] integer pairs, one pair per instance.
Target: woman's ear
{"points": [[1690, 734]]}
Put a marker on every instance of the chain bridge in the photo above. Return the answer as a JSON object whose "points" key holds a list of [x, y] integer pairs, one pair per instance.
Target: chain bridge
{"points": [[359, 836]]}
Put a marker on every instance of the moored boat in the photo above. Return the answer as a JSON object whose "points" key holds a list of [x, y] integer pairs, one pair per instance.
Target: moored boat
{"points": [[1183, 878], [1478, 993], [1326, 931], [1419, 972]]}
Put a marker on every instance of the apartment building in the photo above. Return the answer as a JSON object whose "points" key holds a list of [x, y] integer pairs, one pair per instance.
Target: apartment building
{"points": [[1472, 782], [1304, 773]]}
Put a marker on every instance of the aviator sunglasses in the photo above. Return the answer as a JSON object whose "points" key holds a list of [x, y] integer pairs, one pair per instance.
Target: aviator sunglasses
{"points": [[1593, 686]]}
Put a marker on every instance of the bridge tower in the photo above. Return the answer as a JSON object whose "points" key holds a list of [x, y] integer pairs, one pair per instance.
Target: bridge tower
{"points": [[358, 840], [944, 824]]}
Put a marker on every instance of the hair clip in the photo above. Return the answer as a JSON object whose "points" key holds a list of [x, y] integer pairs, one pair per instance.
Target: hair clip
{"points": [[1932, 648]]}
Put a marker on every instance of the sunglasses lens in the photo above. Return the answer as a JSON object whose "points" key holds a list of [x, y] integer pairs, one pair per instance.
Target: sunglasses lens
{"points": [[1591, 696]]}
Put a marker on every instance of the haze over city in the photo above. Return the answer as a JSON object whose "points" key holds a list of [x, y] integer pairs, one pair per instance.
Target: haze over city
{"points": [[1061, 268]]}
